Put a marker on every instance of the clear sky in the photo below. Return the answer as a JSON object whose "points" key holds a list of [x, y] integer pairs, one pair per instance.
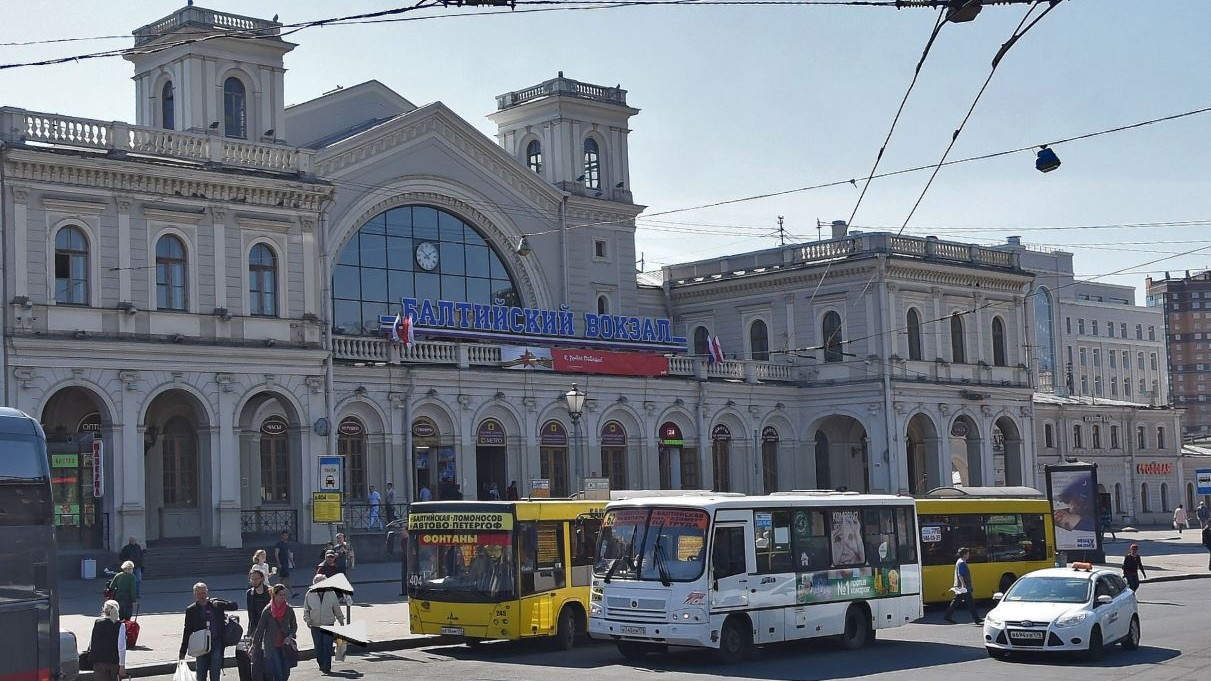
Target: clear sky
{"points": [[744, 100]]}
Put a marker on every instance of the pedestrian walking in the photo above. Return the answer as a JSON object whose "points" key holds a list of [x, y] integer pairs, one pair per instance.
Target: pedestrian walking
{"points": [[260, 563], [1207, 538], [344, 553], [1180, 520], [206, 613], [283, 555], [328, 567], [389, 498], [257, 596], [134, 553], [125, 589], [425, 493], [963, 589], [403, 559], [274, 634], [1203, 513], [374, 500], [1133, 568], [322, 608], [107, 644]]}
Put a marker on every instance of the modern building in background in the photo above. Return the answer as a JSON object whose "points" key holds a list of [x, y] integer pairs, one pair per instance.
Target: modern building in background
{"points": [[1184, 302], [202, 304]]}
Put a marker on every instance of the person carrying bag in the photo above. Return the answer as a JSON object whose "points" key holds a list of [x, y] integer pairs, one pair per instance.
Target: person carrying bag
{"points": [[106, 654], [273, 640]]}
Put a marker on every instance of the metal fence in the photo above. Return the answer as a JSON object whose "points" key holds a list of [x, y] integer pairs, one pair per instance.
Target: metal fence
{"points": [[363, 517], [269, 521]]}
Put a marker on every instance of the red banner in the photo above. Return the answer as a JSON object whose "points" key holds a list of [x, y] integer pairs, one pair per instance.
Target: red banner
{"points": [[612, 363]]}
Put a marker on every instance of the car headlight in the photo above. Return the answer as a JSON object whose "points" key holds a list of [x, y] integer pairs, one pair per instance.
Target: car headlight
{"points": [[594, 610], [690, 615], [993, 620], [1072, 619]]}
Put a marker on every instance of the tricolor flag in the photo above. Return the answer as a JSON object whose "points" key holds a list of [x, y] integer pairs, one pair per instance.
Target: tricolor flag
{"points": [[397, 328], [714, 350]]}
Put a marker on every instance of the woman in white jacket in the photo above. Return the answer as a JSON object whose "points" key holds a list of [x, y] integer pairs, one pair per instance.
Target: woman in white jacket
{"points": [[322, 608]]}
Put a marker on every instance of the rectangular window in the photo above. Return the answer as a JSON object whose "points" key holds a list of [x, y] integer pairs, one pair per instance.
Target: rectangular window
{"points": [[1110, 329], [540, 547], [1084, 356], [1093, 323], [599, 248], [1139, 356], [1080, 326], [1068, 324], [1139, 332], [810, 541], [1049, 436], [1151, 333], [845, 528], [1114, 437], [1097, 386], [1097, 357], [1112, 357], [772, 538], [1153, 361], [727, 558], [1122, 329]]}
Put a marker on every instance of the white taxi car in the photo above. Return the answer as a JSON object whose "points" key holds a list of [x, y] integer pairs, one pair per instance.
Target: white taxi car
{"points": [[1072, 609]]}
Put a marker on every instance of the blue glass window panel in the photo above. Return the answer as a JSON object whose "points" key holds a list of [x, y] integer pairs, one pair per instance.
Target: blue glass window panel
{"points": [[374, 249], [349, 255], [454, 287], [398, 221], [424, 223], [473, 237], [347, 313], [428, 286], [479, 291], [477, 261], [346, 283], [450, 228], [452, 259], [497, 269], [370, 315], [374, 284], [399, 253], [399, 286]]}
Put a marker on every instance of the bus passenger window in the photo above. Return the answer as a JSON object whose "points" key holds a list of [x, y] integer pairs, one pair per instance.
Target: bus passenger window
{"points": [[845, 537], [728, 553], [585, 531], [1036, 536], [773, 541], [810, 541], [879, 534], [907, 535]]}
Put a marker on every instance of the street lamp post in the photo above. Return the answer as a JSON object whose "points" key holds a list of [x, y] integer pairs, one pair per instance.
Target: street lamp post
{"points": [[575, 401]]}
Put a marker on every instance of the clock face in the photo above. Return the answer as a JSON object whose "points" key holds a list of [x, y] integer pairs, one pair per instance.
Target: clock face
{"points": [[426, 255]]}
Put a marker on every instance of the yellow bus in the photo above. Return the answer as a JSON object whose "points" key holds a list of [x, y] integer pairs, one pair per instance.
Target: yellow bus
{"points": [[1008, 529], [503, 570]]}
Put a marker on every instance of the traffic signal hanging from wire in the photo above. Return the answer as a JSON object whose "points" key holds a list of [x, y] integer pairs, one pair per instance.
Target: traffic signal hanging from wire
{"points": [[1046, 161]]}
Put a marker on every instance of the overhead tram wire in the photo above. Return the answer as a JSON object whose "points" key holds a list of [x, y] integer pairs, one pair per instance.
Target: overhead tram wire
{"points": [[996, 61]]}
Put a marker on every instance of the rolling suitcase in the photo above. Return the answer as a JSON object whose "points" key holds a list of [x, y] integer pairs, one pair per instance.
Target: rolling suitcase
{"points": [[132, 630], [243, 660]]}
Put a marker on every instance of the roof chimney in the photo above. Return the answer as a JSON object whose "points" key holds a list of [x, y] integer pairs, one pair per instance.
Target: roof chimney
{"points": [[840, 229]]}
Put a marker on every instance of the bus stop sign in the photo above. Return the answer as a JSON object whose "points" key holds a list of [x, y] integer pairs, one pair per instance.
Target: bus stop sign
{"points": [[1203, 475]]}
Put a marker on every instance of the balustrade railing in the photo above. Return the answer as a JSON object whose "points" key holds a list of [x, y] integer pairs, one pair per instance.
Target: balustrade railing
{"points": [[269, 521]]}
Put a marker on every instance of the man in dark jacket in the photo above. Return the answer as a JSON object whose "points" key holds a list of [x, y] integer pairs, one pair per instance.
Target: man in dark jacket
{"points": [[134, 553], [206, 613]]}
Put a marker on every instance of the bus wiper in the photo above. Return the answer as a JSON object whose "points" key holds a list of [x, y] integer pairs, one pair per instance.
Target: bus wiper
{"points": [[658, 557], [626, 559]]}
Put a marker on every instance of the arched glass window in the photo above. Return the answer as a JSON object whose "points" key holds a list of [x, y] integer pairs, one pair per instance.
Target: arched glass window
{"points": [[914, 334], [1078, 440], [1044, 339], [534, 156], [1095, 433], [1164, 497], [262, 281], [702, 339], [1118, 497], [171, 291], [414, 252], [1160, 437], [603, 304], [351, 444], [592, 164], [998, 342], [71, 267], [831, 334], [1141, 438], [235, 109], [1144, 500], [758, 340], [958, 351], [167, 110], [1048, 436], [275, 461]]}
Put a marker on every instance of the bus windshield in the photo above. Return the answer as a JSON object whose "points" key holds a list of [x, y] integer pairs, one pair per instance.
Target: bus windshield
{"points": [[659, 544], [461, 565], [24, 482]]}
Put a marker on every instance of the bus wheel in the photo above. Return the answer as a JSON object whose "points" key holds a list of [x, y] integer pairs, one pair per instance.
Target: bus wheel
{"points": [[1007, 581], [565, 630], [857, 628], [632, 650], [734, 643]]}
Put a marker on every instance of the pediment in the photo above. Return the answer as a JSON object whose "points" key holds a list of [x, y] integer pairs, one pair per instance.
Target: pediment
{"points": [[434, 124]]}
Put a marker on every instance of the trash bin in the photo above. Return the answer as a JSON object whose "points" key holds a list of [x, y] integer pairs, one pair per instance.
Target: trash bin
{"points": [[1061, 559], [88, 568]]}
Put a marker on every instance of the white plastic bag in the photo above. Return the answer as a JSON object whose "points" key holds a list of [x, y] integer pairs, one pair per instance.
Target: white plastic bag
{"points": [[341, 646], [183, 673]]}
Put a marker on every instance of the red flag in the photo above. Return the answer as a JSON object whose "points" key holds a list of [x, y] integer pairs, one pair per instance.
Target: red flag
{"points": [[714, 350]]}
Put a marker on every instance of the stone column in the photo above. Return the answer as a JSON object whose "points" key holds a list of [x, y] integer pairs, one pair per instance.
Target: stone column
{"points": [[130, 495], [226, 451]]}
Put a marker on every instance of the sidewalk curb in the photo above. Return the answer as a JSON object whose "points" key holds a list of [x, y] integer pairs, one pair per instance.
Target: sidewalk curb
{"points": [[162, 668]]}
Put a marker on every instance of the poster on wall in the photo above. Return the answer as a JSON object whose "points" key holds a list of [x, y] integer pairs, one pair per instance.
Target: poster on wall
{"points": [[1072, 489]]}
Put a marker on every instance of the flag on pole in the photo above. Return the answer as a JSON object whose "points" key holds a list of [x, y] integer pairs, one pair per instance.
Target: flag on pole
{"points": [[403, 331], [714, 350]]}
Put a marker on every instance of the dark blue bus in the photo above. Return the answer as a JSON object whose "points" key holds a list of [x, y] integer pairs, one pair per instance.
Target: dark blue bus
{"points": [[29, 604]]}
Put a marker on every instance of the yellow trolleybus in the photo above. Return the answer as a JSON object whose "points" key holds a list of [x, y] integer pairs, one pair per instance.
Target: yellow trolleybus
{"points": [[502, 569], [1008, 529]]}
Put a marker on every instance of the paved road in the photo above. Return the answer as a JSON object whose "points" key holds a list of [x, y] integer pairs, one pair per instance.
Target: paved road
{"points": [[1167, 556], [1173, 648]]}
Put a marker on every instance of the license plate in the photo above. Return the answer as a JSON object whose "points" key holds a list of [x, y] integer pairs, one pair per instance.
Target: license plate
{"points": [[453, 631], [1032, 635], [635, 631]]}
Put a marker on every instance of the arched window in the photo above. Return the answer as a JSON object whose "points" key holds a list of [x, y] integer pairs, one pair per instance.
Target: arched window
{"points": [[1145, 502], [1118, 497], [1048, 436], [415, 252], [275, 461], [167, 111], [958, 352], [71, 267], [351, 444], [1141, 438], [603, 304], [262, 281], [1164, 497], [1114, 437], [998, 342], [179, 449], [1077, 438], [1044, 339], [534, 156], [702, 339], [831, 335], [758, 341], [914, 334], [235, 109], [171, 291], [1160, 437], [1095, 433], [592, 164]]}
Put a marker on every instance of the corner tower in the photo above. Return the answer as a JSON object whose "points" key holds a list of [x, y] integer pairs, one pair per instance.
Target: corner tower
{"points": [[200, 70], [573, 134]]}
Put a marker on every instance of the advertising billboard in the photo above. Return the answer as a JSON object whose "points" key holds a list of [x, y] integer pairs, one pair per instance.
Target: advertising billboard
{"points": [[1072, 489]]}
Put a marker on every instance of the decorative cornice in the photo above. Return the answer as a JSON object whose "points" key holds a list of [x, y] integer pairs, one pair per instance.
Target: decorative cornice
{"points": [[176, 216], [74, 206], [264, 225]]}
